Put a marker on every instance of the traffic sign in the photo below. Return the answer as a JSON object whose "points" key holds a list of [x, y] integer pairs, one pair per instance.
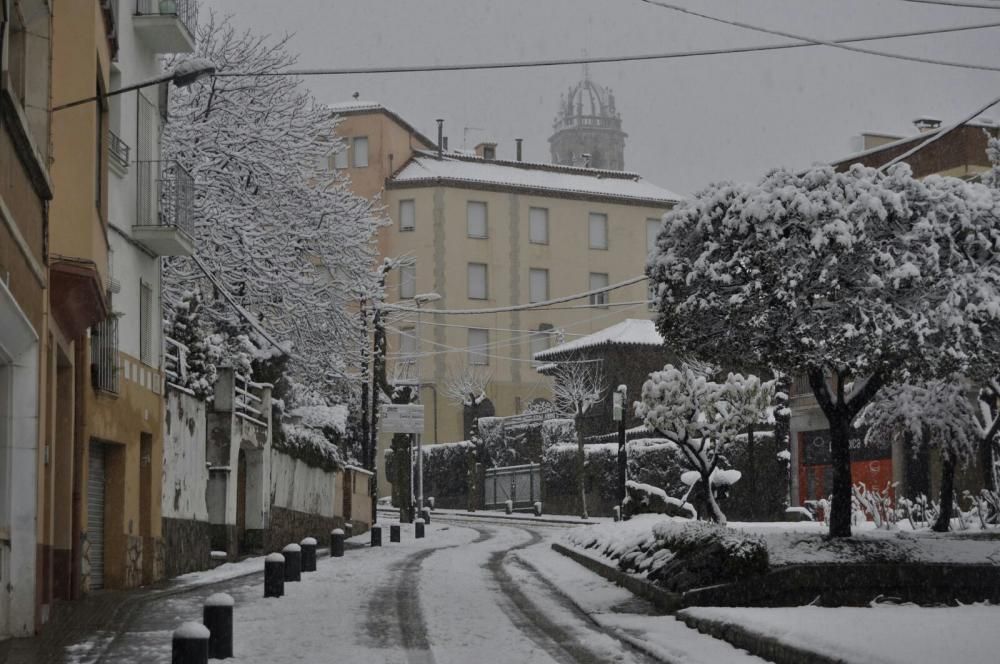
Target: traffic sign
{"points": [[402, 418]]}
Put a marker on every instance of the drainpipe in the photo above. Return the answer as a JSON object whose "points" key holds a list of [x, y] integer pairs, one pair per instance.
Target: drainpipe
{"points": [[518, 141], [440, 122]]}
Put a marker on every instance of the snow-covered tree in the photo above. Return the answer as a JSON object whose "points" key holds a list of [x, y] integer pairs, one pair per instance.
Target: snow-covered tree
{"points": [[992, 177], [278, 231], [843, 277], [201, 357], [704, 419], [935, 414], [578, 387]]}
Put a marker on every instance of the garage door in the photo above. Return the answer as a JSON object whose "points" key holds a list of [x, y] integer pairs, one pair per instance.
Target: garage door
{"points": [[95, 515]]}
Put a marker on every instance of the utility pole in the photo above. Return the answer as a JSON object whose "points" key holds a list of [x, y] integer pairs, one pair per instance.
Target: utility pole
{"points": [[380, 385], [620, 396], [365, 413]]}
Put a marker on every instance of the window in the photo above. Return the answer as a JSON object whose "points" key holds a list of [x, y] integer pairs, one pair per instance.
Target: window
{"points": [[539, 225], [598, 230], [340, 158], [407, 281], [540, 340], [652, 295], [407, 215], [598, 280], [475, 214], [539, 285], [360, 148], [478, 342], [145, 323], [407, 346], [652, 230], [478, 285]]}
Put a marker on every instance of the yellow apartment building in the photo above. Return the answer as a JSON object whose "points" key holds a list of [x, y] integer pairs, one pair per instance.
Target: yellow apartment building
{"points": [[487, 233]]}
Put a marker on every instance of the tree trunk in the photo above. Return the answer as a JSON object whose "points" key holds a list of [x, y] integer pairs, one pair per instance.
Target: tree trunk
{"points": [[713, 511], [580, 468], [840, 459], [986, 467], [754, 499], [943, 522]]}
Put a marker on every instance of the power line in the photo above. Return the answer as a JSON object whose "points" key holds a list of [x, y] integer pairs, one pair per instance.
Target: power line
{"points": [[521, 307], [955, 3], [816, 40], [939, 135], [559, 62]]}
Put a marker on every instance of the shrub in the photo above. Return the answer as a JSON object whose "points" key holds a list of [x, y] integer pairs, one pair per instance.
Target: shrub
{"points": [[445, 468], [557, 431]]}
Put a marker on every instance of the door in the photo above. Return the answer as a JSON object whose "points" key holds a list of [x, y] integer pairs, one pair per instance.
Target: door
{"points": [[241, 499], [95, 515]]}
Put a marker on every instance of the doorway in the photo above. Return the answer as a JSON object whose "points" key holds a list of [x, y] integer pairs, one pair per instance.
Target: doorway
{"points": [[241, 501], [95, 514]]}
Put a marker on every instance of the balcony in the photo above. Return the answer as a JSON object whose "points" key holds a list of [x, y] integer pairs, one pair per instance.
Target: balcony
{"points": [[167, 26], [118, 154], [165, 208], [104, 355]]}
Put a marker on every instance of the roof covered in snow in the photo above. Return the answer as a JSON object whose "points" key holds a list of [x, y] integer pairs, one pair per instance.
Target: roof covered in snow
{"points": [[531, 177], [629, 332], [358, 107]]}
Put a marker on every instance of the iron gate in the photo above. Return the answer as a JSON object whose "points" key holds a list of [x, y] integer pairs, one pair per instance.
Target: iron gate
{"points": [[520, 484]]}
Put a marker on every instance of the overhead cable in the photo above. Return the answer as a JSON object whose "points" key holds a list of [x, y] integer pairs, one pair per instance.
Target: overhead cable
{"points": [[817, 40], [957, 3]]}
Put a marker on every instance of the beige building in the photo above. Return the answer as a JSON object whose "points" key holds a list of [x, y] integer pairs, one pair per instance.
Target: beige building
{"points": [[487, 233]]}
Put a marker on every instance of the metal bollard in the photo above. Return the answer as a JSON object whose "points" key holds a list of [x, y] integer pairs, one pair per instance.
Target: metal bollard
{"points": [[376, 535], [425, 514], [538, 508], [617, 513], [190, 644], [336, 543], [293, 562], [419, 527], [308, 554], [394, 532], [218, 618], [509, 507], [274, 575], [348, 530]]}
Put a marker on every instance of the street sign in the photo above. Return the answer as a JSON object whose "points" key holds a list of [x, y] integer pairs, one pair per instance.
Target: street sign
{"points": [[402, 418]]}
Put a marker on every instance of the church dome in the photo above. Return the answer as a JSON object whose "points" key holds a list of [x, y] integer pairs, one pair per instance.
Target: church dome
{"points": [[587, 130]]}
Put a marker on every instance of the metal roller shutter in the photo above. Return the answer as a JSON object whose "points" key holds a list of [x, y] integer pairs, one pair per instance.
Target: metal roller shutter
{"points": [[95, 515]]}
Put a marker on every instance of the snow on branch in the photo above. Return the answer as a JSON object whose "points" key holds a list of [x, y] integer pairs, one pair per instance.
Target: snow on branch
{"points": [[468, 386], [578, 387]]}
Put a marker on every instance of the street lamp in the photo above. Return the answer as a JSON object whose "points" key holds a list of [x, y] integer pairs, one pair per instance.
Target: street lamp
{"points": [[183, 75], [423, 298]]}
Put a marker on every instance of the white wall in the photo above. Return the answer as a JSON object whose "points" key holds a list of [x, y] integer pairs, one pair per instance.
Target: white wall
{"points": [[185, 472], [299, 487]]}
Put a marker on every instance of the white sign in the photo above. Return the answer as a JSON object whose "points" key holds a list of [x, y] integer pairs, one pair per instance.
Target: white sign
{"points": [[402, 418]]}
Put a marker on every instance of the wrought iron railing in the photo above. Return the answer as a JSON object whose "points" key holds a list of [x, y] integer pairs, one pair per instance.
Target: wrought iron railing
{"points": [[185, 10], [247, 399], [165, 196], [118, 150], [104, 355]]}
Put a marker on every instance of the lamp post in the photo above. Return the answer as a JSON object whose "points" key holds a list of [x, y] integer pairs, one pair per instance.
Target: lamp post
{"points": [[418, 300], [183, 75]]}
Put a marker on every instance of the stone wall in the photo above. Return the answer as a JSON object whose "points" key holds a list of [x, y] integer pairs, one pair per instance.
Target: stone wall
{"points": [[297, 486], [288, 526], [188, 546], [185, 472]]}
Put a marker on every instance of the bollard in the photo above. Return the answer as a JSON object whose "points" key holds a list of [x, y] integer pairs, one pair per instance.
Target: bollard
{"points": [[218, 618], [617, 513], [308, 554], [538, 508], [348, 530], [376, 535], [425, 514], [430, 501], [509, 506], [337, 543], [419, 527], [274, 575], [190, 644], [394, 532], [293, 562]]}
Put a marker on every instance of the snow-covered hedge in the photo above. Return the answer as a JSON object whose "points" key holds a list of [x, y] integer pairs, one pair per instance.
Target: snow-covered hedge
{"points": [[557, 431], [309, 445], [676, 554], [446, 467]]}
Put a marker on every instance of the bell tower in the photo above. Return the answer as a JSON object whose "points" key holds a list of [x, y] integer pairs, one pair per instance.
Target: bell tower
{"points": [[587, 130]]}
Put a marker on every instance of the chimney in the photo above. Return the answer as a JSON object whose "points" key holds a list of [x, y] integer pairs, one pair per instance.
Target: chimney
{"points": [[487, 151], [440, 122], [925, 124], [586, 159], [518, 141]]}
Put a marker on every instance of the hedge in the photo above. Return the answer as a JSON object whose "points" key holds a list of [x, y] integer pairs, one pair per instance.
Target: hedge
{"points": [[445, 471]]}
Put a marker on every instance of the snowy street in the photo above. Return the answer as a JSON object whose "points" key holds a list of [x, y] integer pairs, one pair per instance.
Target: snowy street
{"points": [[466, 593]]}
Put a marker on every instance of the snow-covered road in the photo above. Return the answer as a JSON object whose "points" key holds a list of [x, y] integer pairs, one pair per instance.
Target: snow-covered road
{"points": [[461, 595]]}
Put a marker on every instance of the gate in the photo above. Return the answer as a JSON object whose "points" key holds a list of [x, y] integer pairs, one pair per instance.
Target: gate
{"points": [[520, 484]]}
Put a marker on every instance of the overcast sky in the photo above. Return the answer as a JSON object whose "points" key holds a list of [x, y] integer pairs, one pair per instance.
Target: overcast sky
{"points": [[690, 121]]}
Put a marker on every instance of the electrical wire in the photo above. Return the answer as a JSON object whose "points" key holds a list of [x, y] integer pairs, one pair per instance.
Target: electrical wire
{"points": [[521, 307], [955, 3], [560, 62], [818, 41]]}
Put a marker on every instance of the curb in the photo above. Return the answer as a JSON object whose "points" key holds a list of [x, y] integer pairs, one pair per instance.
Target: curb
{"points": [[765, 647], [500, 516], [664, 600]]}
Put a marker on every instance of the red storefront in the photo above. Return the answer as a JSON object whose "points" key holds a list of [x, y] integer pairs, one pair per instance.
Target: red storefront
{"points": [[870, 464]]}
